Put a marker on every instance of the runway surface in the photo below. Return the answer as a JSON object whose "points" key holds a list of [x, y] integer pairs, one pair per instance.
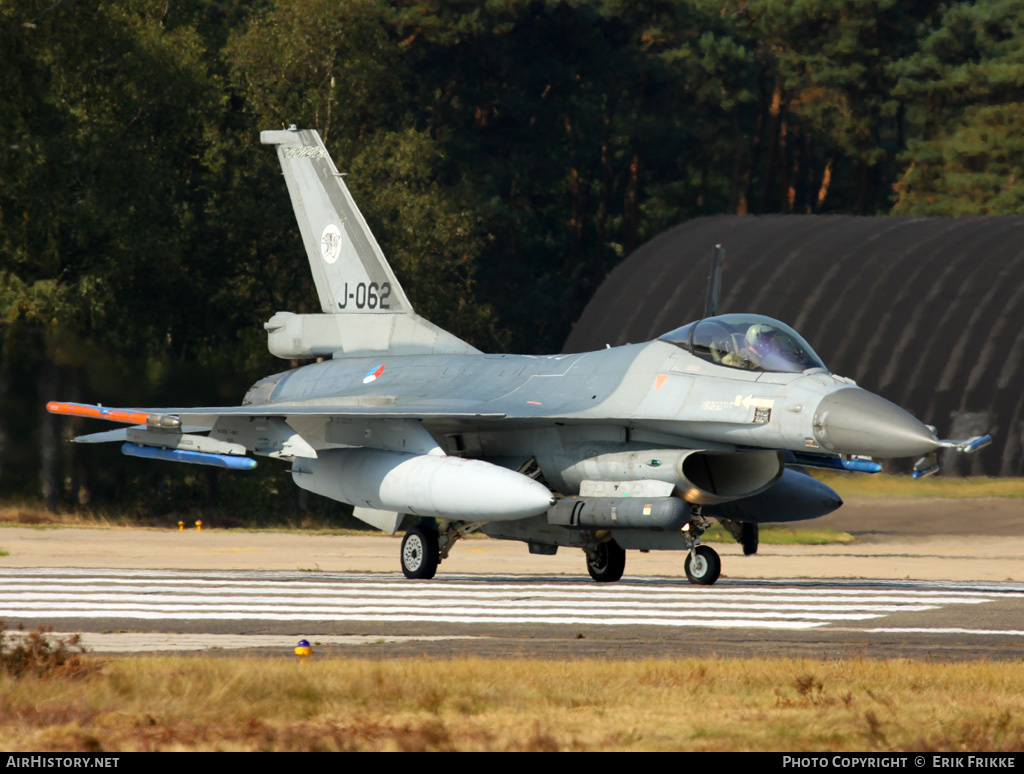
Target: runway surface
{"points": [[528, 615], [914, 585]]}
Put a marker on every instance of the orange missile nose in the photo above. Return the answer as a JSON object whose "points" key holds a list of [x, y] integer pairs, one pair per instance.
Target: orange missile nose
{"points": [[97, 412]]}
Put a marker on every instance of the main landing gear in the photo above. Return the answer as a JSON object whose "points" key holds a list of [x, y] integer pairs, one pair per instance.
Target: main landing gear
{"points": [[420, 553], [606, 562], [749, 538], [427, 544], [745, 532]]}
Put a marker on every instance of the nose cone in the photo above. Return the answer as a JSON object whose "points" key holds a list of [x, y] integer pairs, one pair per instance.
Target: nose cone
{"points": [[855, 421]]}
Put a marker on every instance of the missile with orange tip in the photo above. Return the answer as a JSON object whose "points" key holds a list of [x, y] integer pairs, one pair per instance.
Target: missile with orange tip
{"points": [[113, 415]]}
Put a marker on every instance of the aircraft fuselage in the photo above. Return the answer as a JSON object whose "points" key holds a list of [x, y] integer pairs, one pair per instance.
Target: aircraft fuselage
{"points": [[654, 392]]}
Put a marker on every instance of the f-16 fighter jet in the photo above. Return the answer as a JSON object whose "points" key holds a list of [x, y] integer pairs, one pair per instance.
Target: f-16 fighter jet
{"points": [[628, 448]]}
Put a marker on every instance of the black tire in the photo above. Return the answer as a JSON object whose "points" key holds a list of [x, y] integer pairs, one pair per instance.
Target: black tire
{"points": [[703, 566], [608, 563], [749, 538], [419, 553]]}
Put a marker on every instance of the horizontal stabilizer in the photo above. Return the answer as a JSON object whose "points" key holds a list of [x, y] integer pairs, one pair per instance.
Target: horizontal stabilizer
{"points": [[121, 434], [107, 436]]}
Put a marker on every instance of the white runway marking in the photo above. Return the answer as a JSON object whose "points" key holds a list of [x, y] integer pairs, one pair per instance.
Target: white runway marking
{"points": [[327, 597], [1009, 632]]}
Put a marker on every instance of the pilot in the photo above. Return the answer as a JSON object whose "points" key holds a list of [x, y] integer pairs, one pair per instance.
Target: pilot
{"points": [[770, 348], [750, 351], [760, 337]]}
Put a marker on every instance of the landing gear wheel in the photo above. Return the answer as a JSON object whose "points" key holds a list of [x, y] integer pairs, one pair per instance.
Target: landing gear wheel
{"points": [[607, 563], [703, 566], [748, 537], [420, 553]]}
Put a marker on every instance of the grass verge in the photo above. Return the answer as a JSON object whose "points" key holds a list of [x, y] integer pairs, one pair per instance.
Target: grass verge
{"points": [[882, 486], [778, 535], [28, 514], [196, 703]]}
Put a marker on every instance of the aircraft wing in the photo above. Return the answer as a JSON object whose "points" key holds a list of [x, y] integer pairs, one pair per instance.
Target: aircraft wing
{"points": [[204, 417], [282, 431]]}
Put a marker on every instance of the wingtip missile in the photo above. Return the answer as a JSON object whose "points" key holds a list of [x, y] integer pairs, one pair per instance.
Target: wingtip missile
{"points": [[97, 412], [126, 416]]}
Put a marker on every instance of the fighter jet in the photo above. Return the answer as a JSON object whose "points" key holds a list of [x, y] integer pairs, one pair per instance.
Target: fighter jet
{"points": [[634, 447]]}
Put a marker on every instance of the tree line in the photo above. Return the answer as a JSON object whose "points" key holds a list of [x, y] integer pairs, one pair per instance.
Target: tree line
{"points": [[507, 154]]}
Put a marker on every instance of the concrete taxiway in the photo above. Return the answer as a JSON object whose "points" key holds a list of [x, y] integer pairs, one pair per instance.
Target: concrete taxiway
{"points": [[916, 590]]}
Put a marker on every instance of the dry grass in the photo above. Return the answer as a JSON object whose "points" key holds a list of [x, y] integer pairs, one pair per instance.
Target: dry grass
{"points": [[780, 535], [28, 514], [42, 655], [192, 703]]}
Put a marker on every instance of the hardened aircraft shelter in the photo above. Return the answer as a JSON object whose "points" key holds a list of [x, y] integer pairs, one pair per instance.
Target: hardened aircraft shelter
{"points": [[927, 312]]}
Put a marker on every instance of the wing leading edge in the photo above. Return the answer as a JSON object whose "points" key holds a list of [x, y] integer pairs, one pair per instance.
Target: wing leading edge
{"points": [[223, 436], [205, 416]]}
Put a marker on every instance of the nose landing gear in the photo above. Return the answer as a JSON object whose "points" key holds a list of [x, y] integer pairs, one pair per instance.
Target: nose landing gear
{"points": [[703, 565]]}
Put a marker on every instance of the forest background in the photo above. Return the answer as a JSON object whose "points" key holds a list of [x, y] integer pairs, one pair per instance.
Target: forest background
{"points": [[506, 154]]}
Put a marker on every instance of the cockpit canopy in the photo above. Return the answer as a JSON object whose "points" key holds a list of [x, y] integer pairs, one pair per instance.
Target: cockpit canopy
{"points": [[749, 342]]}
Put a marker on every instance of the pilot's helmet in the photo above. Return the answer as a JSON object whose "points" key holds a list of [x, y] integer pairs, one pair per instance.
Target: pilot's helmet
{"points": [[759, 336]]}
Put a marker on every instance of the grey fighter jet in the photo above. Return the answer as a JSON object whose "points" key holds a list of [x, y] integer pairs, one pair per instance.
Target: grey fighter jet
{"points": [[631, 447]]}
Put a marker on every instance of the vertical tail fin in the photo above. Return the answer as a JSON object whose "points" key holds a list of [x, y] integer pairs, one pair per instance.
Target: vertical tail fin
{"points": [[349, 268], [365, 308]]}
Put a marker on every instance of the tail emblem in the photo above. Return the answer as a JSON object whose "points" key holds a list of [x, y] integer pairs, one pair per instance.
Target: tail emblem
{"points": [[330, 243]]}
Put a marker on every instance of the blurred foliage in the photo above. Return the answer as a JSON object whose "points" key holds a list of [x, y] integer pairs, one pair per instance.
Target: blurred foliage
{"points": [[964, 82], [41, 654], [507, 154]]}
